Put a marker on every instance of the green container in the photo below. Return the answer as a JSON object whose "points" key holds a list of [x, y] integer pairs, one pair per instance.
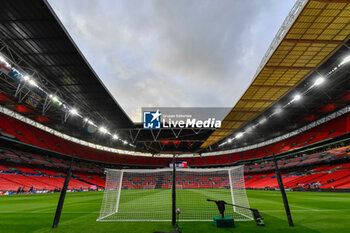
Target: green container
{"points": [[223, 222]]}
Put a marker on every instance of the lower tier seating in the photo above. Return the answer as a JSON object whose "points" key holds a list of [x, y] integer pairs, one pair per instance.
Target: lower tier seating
{"points": [[325, 177]]}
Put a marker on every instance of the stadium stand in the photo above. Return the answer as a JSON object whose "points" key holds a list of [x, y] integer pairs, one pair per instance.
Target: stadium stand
{"points": [[320, 178], [31, 135], [47, 174], [44, 172]]}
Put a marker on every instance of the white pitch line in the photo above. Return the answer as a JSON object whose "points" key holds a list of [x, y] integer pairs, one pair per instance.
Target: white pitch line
{"points": [[36, 212], [307, 210], [96, 212]]}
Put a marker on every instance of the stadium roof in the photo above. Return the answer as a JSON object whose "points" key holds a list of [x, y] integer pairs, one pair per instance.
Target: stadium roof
{"points": [[32, 30], [312, 32]]}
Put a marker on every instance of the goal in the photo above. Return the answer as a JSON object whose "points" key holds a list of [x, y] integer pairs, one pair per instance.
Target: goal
{"points": [[146, 195]]}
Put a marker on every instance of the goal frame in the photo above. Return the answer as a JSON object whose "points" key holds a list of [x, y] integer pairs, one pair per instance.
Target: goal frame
{"points": [[171, 170]]}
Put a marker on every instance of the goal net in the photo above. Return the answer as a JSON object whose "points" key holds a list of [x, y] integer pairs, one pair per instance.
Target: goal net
{"points": [[146, 195]]}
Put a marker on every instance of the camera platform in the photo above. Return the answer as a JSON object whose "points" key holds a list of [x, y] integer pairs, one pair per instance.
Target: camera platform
{"points": [[223, 222]]}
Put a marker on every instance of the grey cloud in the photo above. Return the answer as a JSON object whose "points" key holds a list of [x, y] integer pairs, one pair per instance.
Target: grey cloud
{"points": [[173, 53]]}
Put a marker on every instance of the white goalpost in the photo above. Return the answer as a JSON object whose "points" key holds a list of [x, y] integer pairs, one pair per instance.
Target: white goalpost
{"points": [[146, 195]]}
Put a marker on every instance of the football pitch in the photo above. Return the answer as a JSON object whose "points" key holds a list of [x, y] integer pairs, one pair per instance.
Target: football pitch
{"points": [[312, 212]]}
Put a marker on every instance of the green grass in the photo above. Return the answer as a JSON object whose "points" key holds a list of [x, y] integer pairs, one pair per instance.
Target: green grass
{"points": [[312, 212], [138, 204]]}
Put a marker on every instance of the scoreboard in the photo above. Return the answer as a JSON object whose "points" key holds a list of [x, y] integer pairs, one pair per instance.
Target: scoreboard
{"points": [[182, 164]]}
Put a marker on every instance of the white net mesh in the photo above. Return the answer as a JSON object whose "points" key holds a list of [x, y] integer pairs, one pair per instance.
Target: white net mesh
{"points": [[145, 195]]}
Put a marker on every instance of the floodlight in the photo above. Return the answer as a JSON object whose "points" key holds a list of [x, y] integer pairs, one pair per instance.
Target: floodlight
{"points": [[229, 140], [90, 122], [262, 121], [103, 129], [239, 135], [54, 98], [345, 60], [86, 119], [297, 97], [278, 110], [125, 142], [222, 144], [26, 78], [73, 111], [33, 83], [3, 60], [115, 137], [319, 81]]}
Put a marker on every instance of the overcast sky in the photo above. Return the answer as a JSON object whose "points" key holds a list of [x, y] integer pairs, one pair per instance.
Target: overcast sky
{"points": [[173, 53]]}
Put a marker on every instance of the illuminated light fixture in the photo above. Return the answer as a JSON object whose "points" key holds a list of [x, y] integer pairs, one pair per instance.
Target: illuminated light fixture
{"points": [[278, 110], [86, 119], [115, 137], [54, 98], [90, 122], [319, 81], [229, 140], [26, 78], [32, 83], [249, 129], [2, 59], [73, 111], [125, 142], [239, 135], [262, 121], [297, 97], [103, 129], [345, 60]]}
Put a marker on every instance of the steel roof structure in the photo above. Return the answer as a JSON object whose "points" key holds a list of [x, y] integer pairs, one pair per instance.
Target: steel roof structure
{"points": [[312, 32], [33, 31]]}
